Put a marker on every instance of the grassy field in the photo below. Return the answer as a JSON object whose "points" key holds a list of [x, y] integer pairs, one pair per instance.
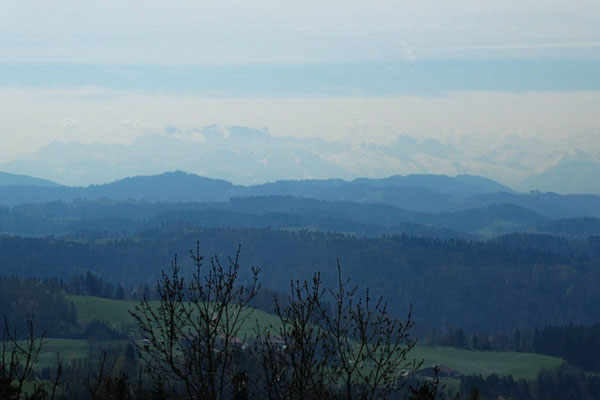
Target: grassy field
{"points": [[519, 365], [115, 311], [503, 363], [68, 349]]}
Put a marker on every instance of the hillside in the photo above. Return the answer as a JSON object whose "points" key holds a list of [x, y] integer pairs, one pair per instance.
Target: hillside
{"points": [[7, 179], [416, 193], [283, 212]]}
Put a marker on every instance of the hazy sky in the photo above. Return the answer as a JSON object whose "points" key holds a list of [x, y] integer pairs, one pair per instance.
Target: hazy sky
{"points": [[260, 31], [110, 71]]}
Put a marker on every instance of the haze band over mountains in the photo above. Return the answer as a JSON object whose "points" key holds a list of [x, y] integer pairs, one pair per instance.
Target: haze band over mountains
{"points": [[250, 156]]}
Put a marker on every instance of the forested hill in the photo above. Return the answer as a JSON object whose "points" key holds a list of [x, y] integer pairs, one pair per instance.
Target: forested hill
{"points": [[7, 179], [418, 193], [496, 285], [113, 218]]}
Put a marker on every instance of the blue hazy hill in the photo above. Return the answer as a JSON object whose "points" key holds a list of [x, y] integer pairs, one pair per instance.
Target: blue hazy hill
{"points": [[7, 179]]}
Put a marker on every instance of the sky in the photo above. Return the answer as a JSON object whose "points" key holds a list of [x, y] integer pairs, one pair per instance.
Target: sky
{"points": [[465, 72]]}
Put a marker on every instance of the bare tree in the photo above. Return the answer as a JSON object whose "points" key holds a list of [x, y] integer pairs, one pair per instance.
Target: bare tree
{"points": [[429, 389], [59, 384], [327, 344], [341, 346], [18, 358], [370, 346], [95, 377], [104, 380], [191, 336], [294, 355]]}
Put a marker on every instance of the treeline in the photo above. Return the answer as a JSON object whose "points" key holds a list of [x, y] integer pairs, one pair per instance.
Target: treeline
{"points": [[565, 382], [116, 219], [578, 344], [524, 340], [492, 286], [88, 284], [44, 301]]}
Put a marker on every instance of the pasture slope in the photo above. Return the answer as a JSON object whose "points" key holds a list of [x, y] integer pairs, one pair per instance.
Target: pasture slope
{"points": [[116, 312]]}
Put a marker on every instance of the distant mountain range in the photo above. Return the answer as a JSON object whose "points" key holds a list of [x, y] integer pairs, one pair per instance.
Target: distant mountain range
{"points": [[250, 156], [574, 171], [420, 192]]}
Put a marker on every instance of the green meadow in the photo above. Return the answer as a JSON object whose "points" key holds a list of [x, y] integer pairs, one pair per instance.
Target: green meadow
{"points": [[502, 363], [116, 312], [519, 365]]}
